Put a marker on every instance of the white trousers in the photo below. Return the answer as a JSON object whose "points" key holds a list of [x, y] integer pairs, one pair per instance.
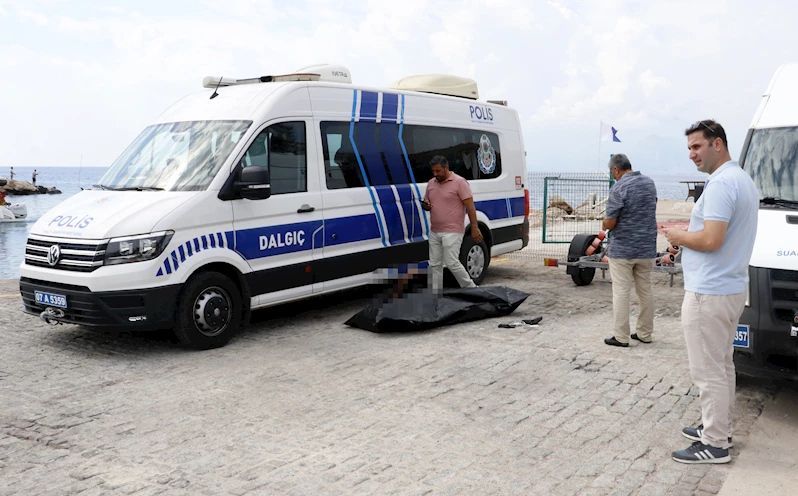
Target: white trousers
{"points": [[709, 323], [444, 250]]}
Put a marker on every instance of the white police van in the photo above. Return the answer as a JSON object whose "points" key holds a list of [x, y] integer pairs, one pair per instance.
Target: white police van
{"points": [[767, 338], [260, 191]]}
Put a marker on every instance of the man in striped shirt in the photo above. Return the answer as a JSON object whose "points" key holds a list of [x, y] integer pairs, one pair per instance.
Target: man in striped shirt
{"points": [[632, 217]]}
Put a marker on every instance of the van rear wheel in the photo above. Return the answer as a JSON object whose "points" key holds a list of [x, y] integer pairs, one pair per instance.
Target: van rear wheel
{"points": [[208, 312], [475, 258]]}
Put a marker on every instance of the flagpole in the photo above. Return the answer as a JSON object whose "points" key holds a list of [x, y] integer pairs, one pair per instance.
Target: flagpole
{"points": [[598, 164]]}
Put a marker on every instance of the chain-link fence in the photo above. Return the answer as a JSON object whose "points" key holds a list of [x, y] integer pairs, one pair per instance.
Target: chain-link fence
{"points": [[562, 205]]}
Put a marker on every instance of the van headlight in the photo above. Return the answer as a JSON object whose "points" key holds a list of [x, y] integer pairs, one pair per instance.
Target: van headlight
{"points": [[136, 248]]}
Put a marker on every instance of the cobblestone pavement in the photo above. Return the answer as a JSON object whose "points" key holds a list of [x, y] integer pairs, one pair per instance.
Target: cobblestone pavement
{"points": [[301, 404]]}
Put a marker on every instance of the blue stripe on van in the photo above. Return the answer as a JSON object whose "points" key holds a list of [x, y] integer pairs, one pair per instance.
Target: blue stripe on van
{"points": [[262, 242], [493, 209], [191, 247], [517, 207], [503, 208], [353, 229], [350, 229], [390, 105], [411, 211], [365, 139], [368, 106], [363, 170], [396, 231], [409, 168], [389, 144]]}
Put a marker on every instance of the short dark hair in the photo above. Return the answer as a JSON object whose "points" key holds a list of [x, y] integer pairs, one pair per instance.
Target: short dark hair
{"points": [[439, 160], [621, 162], [711, 130]]}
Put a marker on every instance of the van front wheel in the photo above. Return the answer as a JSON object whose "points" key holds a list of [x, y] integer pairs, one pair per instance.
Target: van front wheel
{"points": [[209, 311]]}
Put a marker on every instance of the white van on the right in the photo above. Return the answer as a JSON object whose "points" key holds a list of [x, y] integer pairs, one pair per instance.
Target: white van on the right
{"points": [[767, 337]]}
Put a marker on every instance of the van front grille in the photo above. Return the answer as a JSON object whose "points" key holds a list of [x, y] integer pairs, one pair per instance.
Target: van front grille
{"points": [[75, 255], [784, 294]]}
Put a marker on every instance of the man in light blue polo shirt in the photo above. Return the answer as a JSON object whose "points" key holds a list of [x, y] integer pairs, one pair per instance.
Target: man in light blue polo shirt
{"points": [[717, 249]]}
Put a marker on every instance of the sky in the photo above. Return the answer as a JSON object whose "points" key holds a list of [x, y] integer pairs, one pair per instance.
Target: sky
{"points": [[80, 79]]}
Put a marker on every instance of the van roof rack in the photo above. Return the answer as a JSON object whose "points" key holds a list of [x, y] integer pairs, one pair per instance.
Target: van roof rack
{"points": [[321, 72], [439, 84]]}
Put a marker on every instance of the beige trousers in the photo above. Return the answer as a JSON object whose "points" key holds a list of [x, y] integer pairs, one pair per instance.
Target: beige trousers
{"points": [[709, 323], [627, 273], [444, 250]]}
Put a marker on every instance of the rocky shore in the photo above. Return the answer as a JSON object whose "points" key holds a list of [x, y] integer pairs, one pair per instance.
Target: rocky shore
{"points": [[14, 187]]}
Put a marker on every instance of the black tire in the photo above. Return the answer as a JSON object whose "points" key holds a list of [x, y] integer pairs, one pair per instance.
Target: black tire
{"points": [[583, 277], [475, 257], [221, 300]]}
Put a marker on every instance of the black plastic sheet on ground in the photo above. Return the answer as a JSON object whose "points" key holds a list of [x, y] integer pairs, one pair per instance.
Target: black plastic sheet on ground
{"points": [[426, 310]]}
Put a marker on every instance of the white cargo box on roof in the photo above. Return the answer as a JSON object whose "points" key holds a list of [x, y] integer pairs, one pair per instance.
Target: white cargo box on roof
{"points": [[439, 84]]}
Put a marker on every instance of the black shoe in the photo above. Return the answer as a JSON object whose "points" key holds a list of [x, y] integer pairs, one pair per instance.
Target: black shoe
{"points": [[702, 453], [694, 434], [614, 342], [634, 336]]}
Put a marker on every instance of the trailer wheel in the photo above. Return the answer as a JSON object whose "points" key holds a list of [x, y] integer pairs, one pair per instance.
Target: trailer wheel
{"points": [[583, 277], [208, 312]]}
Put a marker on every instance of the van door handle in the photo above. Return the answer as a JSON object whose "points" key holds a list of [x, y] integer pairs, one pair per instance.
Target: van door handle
{"points": [[305, 209]]}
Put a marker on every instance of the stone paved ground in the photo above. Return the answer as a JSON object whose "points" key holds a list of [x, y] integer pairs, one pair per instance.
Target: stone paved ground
{"points": [[300, 404]]}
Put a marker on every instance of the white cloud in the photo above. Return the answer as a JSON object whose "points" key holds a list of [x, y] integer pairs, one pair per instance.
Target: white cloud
{"points": [[567, 13], [651, 83], [35, 17]]}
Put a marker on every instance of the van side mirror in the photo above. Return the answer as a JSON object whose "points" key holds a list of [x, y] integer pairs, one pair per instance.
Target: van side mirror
{"points": [[254, 183]]}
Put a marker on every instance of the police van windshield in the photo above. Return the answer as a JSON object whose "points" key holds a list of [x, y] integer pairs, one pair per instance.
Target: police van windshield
{"points": [[772, 162], [177, 156]]}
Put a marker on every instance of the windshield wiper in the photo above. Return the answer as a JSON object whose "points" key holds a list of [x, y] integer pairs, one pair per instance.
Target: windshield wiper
{"points": [[772, 200], [138, 188], [101, 186]]}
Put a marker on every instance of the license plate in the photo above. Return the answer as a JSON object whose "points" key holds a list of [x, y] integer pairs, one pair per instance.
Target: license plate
{"points": [[50, 299], [742, 338]]}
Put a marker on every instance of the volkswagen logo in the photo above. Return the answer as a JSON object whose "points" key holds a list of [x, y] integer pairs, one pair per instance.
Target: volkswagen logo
{"points": [[53, 255]]}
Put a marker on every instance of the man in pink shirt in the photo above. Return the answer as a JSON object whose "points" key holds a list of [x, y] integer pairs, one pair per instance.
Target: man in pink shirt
{"points": [[447, 198]]}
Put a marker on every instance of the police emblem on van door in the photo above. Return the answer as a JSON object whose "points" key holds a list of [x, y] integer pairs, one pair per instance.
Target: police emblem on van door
{"points": [[486, 155]]}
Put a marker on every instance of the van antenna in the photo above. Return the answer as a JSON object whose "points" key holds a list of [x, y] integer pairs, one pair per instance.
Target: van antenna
{"points": [[217, 87]]}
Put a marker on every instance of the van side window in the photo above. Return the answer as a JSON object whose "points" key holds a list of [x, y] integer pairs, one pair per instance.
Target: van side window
{"points": [[472, 154], [341, 168], [282, 148]]}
